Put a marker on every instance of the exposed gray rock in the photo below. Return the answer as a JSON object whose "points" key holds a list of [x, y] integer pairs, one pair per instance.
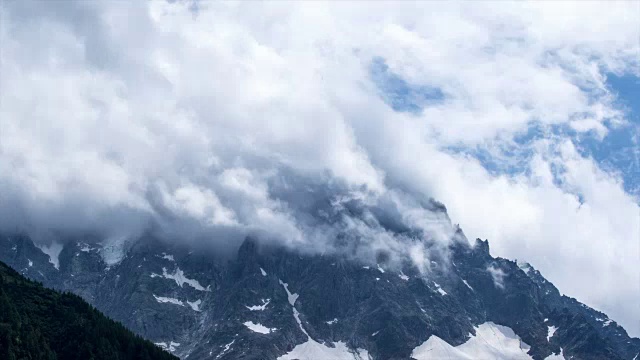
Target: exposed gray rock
{"points": [[208, 305]]}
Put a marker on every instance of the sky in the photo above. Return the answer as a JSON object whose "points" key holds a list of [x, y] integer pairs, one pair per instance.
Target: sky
{"points": [[209, 119]]}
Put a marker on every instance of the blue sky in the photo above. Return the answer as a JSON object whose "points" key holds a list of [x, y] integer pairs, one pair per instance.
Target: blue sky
{"points": [[398, 93], [618, 152]]}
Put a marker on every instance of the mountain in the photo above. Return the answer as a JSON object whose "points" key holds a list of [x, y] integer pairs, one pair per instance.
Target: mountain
{"points": [[266, 301], [39, 323], [270, 303]]}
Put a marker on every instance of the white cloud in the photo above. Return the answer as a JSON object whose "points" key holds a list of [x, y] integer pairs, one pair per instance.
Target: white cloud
{"points": [[497, 275], [147, 112], [201, 204]]}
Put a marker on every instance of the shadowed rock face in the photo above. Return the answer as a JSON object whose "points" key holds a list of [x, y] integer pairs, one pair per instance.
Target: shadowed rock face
{"points": [[239, 308]]}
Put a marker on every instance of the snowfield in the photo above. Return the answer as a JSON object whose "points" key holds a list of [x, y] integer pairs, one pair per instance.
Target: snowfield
{"points": [[490, 342], [312, 350]]}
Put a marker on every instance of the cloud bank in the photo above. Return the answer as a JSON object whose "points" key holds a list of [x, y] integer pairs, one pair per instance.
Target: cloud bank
{"points": [[213, 120]]}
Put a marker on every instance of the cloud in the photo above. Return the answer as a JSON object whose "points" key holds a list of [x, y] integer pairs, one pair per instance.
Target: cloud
{"points": [[215, 121], [497, 275]]}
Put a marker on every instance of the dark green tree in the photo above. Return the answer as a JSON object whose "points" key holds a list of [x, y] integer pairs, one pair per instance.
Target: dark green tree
{"points": [[42, 324]]}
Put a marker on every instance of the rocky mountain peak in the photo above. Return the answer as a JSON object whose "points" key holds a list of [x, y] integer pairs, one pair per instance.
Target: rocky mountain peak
{"points": [[270, 302]]}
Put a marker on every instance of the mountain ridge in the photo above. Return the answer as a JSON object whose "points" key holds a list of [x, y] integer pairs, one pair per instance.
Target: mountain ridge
{"points": [[363, 309]]}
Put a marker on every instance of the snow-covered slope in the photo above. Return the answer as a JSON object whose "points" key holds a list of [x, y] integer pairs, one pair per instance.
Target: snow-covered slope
{"points": [[312, 350], [490, 341]]}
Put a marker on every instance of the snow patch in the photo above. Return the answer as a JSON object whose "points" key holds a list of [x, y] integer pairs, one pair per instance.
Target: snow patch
{"points": [[439, 289], [366, 267], [380, 269], [490, 342], [171, 347], [259, 328], [550, 331], [259, 307], [180, 279], [53, 251], [524, 266], [195, 305], [296, 315], [264, 273], [607, 323], [30, 262], [226, 348], [403, 277], [168, 257], [113, 250], [292, 301], [331, 322], [291, 297], [162, 299], [84, 247], [466, 283]]}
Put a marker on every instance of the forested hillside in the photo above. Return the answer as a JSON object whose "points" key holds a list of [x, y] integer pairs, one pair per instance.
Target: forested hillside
{"points": [[39, 323]]}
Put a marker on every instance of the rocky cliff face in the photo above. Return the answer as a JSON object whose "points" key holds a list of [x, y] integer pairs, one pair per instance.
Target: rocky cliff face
{"points": [[270, 303]]}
